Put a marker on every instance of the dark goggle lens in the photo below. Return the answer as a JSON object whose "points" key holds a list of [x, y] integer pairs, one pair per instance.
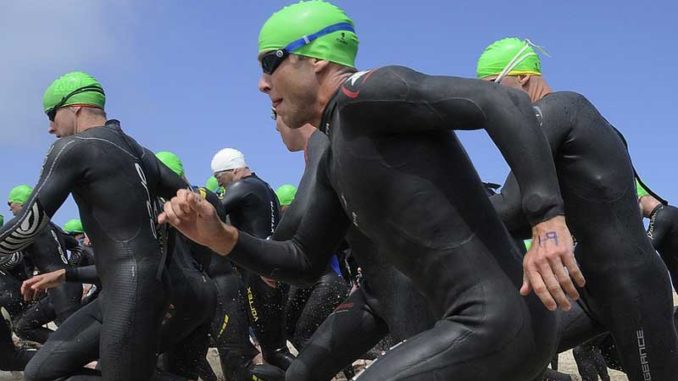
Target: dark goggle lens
{"points": [[51, 114], [270, 61]]}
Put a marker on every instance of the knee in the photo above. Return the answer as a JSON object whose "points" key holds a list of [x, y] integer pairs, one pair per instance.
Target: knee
{"points": [[32, 372], [297, 371]]}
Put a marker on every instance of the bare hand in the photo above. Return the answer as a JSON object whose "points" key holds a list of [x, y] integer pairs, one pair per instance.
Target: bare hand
{"points": [[32, 287], [549, 267], [198, 221]]}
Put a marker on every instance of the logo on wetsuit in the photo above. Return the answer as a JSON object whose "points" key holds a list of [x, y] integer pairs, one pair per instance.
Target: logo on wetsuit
{"points": [[349, 86], [149, 204], [644, 364], [61, 250]]}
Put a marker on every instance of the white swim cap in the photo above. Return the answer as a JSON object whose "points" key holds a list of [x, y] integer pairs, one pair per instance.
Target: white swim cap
{"points": [[227, 159]]}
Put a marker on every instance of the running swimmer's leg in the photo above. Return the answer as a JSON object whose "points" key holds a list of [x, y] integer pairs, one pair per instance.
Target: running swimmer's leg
{"points": [[294, 308], [30, 325], [72, 346], [230, 326], [325, 295], [627, 284], [11, 358], [350, 331], [133, 306], [590, 362], [266, 316]]}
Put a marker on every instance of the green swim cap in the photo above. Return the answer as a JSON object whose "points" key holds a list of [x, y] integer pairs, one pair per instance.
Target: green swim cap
{"points": [[640, 191], [302, 27], [286, 194], [74, 226], [19, 194], [513, 55], [74, 88], [172, 161], [213, 185], [2, 220]]}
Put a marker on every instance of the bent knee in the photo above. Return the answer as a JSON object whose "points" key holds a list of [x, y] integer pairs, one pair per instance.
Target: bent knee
{"points": [[298, 371]]}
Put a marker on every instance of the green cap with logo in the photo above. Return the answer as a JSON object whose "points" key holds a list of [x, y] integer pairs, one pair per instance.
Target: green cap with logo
{"points": [[74, 226], [286, 194], [19, 194], [74, 88], [508, 56], [172, 161], [314, 29]]}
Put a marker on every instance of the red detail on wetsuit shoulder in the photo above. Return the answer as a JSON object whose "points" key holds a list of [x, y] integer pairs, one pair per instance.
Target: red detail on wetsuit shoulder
{"points": [[361, 76], [349, 93]]}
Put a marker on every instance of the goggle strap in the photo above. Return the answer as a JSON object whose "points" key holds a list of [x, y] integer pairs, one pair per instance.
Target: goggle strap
{"points": [[305, 40]]}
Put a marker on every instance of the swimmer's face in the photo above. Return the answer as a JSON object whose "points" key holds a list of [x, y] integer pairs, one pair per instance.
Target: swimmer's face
{"points": [[293, 89], [225, 178], [64, 122], [15, 208]]}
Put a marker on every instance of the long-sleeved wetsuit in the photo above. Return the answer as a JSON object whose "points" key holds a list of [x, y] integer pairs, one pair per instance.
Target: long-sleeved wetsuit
{"points": [[384, 302], [114, 182], [396, 171], [627, 287], [252, 206], [48, 253], [663, 232]]}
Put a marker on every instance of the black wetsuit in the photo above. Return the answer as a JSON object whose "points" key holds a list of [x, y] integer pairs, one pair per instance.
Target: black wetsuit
{"points": [[384, 302], [47, 253], [663, 232], [13, 271], [114, 182], [627, 288], [252, 206], [308, 307], [397, 172]]}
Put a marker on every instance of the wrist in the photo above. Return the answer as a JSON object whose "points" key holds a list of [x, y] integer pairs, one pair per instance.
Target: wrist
{"points": [[225, 241]]}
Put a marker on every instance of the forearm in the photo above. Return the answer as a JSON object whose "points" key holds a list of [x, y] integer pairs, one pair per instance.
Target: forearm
{"points": [[83, 274]]}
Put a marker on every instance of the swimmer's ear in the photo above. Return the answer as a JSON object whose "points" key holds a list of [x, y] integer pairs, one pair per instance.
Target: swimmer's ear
{"points": [[523, 79], [320, 65]]}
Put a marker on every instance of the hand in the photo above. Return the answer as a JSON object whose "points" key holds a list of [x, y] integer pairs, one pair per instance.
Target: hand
{"points": [[32, 287], [549, 267], [198, 221]]}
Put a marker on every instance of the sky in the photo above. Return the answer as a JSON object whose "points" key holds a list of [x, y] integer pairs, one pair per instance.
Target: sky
{"points": [[181, 76]]}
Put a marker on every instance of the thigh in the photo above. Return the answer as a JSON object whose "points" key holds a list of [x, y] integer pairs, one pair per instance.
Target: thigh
{"points": [[73, 345], [133, 305], [350, 331], [324, 298]]}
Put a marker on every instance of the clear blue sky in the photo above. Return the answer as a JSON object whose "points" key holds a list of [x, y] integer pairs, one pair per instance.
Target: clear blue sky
{"points": [[182, 75]]}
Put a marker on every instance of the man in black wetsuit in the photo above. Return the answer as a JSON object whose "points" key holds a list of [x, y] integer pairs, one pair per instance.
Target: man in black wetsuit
{"points": [[46, 253], [384, 301], [307, 307], [11, 358], [628, 289], [97, 163], [398, 174], [252, 206]]}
